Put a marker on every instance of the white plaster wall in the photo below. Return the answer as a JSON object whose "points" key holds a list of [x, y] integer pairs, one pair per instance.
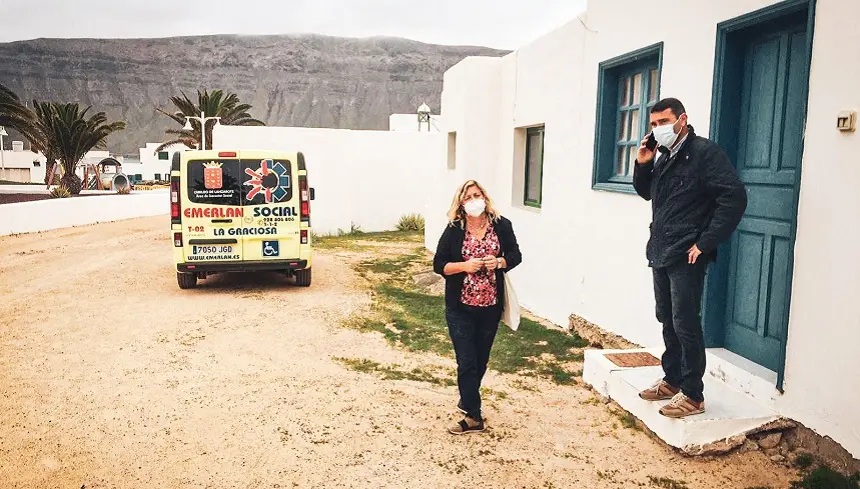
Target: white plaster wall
{"points": [[370, 178], [470, 101], [584, 251], [43, 215], [822, 386]]}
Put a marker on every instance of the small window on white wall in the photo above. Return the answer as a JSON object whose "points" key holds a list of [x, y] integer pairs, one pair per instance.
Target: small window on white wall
{"points": [[527, 177], [452, 150], [534, 166]]}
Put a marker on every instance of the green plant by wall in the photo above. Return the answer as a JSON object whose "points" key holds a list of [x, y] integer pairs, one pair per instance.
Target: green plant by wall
{"points": [[411, 222], [60, 192], [827, 478], [354, 230]]}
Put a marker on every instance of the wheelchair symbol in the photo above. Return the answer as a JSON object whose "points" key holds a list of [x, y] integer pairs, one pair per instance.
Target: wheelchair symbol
{"points": [[270, 248]]}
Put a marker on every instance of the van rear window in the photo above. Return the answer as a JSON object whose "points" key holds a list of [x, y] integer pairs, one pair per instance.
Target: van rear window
{"points": [[217, 182], [214, 182]]}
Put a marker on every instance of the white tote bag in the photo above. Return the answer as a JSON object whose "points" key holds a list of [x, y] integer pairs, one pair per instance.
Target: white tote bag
{"points": [[511, 312]]}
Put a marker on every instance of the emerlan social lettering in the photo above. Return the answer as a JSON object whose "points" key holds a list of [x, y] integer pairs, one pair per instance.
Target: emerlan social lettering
{"points": [[274, 211], [214, 212]]}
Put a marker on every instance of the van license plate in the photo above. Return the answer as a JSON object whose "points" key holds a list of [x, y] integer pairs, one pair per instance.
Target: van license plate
{"points": [[210, 250]]}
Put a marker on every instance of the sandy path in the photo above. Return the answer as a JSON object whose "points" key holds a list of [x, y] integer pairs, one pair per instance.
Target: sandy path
{"points": [[113, 377]]}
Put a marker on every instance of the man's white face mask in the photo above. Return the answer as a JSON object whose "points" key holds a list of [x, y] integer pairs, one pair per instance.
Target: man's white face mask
{"points": [[666, 135]]}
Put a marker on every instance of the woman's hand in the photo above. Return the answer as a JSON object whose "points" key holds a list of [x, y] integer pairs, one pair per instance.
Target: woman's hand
{"points": [[473, 265], [491, 262]]}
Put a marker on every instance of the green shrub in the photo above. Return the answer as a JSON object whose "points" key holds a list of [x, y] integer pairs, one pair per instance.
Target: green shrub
{"points": [[827, 478], [60, 192], [354, 230], [411, 222]]}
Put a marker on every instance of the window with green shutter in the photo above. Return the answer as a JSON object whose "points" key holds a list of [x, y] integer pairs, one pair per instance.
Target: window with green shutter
{"points": [[628, 87]]}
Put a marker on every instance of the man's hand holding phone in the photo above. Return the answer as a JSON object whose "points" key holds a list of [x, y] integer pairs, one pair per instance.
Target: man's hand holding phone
{"points": [[647, 150]]}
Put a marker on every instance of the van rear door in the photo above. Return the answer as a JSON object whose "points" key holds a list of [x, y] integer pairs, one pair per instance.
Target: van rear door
{"points": [[270, 201], [212, 210]]}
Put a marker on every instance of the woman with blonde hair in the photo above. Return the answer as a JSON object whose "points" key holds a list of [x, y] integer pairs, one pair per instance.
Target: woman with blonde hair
{"points": [[474, 252]]}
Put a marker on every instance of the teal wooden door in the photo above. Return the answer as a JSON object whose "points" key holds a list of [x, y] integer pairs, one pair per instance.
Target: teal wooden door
{"points": [[769, 150]]}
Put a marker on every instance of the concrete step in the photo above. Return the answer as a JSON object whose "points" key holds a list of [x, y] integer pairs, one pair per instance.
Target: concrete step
{"points": [[743, 375], [728, 412]]}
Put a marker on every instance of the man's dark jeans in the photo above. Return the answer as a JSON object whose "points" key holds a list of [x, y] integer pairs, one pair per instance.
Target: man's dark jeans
{"points": [[678, 293], [472, 331]]}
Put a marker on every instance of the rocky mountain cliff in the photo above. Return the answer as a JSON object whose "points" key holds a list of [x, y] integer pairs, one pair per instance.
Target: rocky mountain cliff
{"points": [[294, 80]]}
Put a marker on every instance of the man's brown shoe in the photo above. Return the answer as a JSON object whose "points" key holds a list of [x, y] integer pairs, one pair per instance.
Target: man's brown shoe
{"points": [[681, 406], [660, 391]]}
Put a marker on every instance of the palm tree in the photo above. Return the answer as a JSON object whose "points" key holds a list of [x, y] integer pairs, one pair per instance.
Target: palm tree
{"points": [[43, 114], [69, 135], [16, 115], [216, 104]]}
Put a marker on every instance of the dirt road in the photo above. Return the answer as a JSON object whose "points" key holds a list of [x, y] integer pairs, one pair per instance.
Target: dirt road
{"points": [[113, 377]]}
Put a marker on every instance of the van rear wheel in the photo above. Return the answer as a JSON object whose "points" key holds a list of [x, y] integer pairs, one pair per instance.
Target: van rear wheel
{"points": [[186, 280], [303, 277]]}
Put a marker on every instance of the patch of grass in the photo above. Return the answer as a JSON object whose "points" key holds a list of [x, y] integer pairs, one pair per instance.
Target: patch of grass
{"points": [[409, 317], [519, 384], [827, 478], [608, 475], [354, 241], [666, 483], [499, 395], [396, 268], [804, 461], [395, 372], [627, 420], [411, 222]]}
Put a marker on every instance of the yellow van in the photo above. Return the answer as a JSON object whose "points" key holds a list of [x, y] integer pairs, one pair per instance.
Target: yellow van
{"points": [[240, 211]]}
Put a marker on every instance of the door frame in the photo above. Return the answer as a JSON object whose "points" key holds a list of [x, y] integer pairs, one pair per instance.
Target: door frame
{"points": [[724, 73]]}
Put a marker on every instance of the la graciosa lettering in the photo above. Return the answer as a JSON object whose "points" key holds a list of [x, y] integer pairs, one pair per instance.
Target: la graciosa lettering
{"points": [[245, 231]]}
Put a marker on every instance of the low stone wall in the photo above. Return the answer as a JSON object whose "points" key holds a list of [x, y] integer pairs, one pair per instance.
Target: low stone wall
{"points": [[44, 215]]}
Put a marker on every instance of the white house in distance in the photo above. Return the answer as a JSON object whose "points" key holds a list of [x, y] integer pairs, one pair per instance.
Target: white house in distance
{"points": [[550, 129], [151, 165], [20, 165], [24, 166]]}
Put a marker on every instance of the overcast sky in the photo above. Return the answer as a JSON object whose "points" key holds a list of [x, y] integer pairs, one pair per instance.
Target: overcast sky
{"points": [[505, 24]]}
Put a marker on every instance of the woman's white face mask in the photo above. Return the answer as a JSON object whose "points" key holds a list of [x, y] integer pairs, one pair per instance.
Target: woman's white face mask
{"points": [[475, 207]]}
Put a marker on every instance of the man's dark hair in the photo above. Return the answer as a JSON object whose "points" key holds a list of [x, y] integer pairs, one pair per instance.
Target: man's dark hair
{"points": [[669, 103]]}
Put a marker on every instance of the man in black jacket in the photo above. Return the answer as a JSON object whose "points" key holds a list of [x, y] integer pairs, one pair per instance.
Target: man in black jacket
{"points": [[697, 201]]}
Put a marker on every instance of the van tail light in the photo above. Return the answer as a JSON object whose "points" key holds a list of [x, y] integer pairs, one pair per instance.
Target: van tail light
{"points": [[304, 195], [175, 205], [304, 236], [227, 154], [177, 240]]}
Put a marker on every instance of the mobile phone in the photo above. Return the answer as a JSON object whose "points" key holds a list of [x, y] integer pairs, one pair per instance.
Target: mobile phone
{"points": [[651, 143]]}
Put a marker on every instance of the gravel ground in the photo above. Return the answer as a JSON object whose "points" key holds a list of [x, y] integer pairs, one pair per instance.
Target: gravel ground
{"points": [[113, 377]]}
